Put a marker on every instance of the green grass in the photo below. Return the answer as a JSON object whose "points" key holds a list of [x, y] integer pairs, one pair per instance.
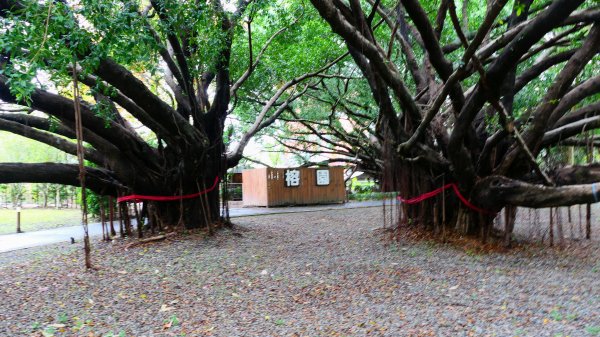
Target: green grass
{"points": [[370, 196], [38, 219]]}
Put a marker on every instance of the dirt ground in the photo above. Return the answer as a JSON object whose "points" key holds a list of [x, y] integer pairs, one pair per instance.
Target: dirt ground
{"points": [[328, 273]]}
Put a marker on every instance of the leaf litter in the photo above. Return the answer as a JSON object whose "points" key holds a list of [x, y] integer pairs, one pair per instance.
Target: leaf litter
{"points": [[325, 273]]}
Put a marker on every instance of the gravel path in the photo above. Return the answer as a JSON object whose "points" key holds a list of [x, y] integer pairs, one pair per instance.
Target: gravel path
{"points": [[325, 273]]}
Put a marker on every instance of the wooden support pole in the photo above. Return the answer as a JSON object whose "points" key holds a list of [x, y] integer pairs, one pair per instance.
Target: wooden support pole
{"points": [[111, 216], [19, 220]]}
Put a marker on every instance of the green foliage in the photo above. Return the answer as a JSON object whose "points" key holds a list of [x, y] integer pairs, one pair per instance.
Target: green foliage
{"points": [[21, 83], [46, 38], [556, 315], [35, 326], [49, 331], [593, 330], [303, 46], [62, 318], [94, 201], [103, 110], [367, 196], [50, 36], [363, 186], [234, 192], [98, 29], [172, 320]]}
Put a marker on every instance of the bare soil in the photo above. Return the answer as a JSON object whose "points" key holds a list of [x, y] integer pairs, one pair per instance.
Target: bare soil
{"points": [[328, 273]]}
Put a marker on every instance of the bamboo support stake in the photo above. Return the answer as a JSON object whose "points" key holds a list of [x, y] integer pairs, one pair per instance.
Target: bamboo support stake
{"points": [[80, 160]]}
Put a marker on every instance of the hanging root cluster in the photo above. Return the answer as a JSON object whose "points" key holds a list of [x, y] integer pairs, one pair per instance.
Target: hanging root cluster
{"points": [[155, 218], [442, 215]]}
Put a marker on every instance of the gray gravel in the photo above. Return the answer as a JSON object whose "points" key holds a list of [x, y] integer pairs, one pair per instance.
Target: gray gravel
{"points": [[325, 273]]}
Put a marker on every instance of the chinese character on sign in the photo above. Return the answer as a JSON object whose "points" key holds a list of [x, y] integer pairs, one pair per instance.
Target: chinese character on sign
{"points": [[292, 178], [322, 177]]}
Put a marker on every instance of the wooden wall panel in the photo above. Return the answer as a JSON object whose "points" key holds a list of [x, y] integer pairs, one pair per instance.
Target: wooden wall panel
{"points": [[266, 187], [308, 192], [254, 187]]}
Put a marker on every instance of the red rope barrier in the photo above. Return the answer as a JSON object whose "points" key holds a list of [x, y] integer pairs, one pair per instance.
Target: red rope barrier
{"points": [[425, 196], [138, 197], [439, 190]]}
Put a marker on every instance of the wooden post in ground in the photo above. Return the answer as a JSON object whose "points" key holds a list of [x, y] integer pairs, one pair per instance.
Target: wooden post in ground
{"points": [[559, 227], [551, 229], [127, 219], [138, 218], [105, 235], [19, 220], [111, 216], [121, 229], [588, 222], [588, 214]]}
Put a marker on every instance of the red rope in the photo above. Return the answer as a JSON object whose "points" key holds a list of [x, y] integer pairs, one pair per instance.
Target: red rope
{"points": [[425, 196], [138, 197], [439, 190]]}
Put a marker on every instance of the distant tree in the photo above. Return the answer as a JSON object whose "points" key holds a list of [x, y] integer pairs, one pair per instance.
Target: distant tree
{"points": [[42, 193], [16, 194], [3, 195]]}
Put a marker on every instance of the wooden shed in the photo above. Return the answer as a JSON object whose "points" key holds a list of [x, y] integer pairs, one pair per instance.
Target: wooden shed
{"points": [[296, 186]]}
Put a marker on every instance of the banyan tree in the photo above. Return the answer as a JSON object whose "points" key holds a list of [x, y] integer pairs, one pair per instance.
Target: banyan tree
{"points": [[154, 82], [477, 94]]}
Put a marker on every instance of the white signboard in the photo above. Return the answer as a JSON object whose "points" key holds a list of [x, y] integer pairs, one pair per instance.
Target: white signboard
{"points": [[322, 177], [292, 178]]}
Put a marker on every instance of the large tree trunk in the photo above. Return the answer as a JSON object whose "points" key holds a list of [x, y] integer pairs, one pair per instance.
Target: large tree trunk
{"points": [[200, 212]]}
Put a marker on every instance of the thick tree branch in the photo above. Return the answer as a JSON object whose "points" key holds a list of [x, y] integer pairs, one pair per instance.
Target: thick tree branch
{"points": [[588, 88], [574, 116], [420, 75], [180, 54], [430, 40], [498, 191], [582, 16], [124, 152], [135, 110], [98, 180], [39, 123], [173, 75], [62, 108], [577, 174], [134, 89], [537, 69], [543, 115], [556, 13], [47, 138], [376, 55], [569, 130], [253, 64], [262, 121]]}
